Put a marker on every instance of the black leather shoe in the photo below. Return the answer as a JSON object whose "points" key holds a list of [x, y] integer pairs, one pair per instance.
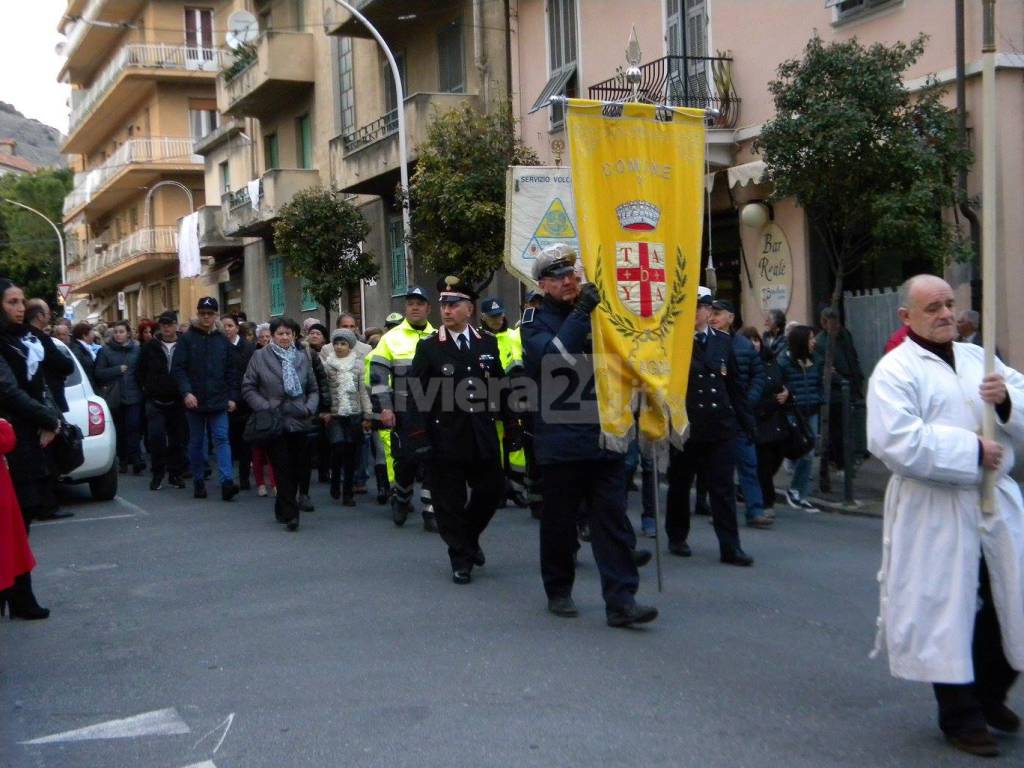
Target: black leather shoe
{"points": [[478, 558], [634, 614], [430, 524], [305, 504], [228, 491], [399, 512], [680, 548], [979, 742], [199, 490], [54, 515], [156, 483], [563, 606], [461, 577], [292, 525], [175, 481], [739, 557], [1002, 718], [641, 557]]}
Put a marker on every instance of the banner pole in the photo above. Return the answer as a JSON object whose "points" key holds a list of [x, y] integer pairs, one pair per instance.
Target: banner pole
{"points": [[657, 512]]}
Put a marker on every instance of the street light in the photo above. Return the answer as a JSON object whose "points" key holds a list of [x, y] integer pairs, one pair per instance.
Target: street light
{"points": [[396, 75], [56, 229]]}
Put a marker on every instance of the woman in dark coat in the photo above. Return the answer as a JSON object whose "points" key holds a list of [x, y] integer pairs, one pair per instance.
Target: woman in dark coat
{"points": [[35, 421], [117, 364]]}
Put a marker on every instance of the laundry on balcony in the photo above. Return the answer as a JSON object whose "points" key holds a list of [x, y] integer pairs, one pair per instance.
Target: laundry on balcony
{"points": [[189, 261], [255, 190]]}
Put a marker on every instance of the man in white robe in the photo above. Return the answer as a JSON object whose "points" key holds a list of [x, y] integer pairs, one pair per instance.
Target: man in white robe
{"points": [[952, 577]]}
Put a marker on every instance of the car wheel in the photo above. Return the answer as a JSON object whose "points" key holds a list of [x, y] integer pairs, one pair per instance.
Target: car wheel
{"points": [[104, 488]]}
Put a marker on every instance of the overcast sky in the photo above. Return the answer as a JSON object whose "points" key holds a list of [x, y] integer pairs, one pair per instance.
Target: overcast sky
{"points": [[28, 63]]}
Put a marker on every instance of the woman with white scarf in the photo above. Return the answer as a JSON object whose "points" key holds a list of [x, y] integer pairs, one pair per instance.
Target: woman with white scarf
{"points": [[350, 412], [280, 377]]}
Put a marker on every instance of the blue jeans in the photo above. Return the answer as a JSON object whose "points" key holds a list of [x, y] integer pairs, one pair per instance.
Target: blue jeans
{"points": [[217, 424], [746, 468], [802, 470]]}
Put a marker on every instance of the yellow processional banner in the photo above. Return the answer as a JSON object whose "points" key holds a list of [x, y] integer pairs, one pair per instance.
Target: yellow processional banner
{"points": [[638, 183]]}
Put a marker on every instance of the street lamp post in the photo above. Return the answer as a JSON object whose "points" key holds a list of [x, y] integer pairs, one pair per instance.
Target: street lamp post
{"points": [[56, 229], [396, 75]]}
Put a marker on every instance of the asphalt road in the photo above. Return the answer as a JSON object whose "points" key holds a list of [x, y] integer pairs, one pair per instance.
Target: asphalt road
{"points": [[346, 644]]}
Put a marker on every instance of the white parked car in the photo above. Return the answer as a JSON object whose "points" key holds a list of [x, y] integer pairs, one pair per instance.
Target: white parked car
{"points": [[89, 412]]}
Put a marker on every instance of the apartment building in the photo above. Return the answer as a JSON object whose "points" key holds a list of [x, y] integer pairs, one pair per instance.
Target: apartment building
{"points": [[143, 76]]}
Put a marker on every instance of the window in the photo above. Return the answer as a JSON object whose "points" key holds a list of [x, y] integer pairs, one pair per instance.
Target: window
{"points": [[202, 121], [300, 15], [304, 141], [346, 86], [275, 277], [225, 178], [199, 53], [270, 156], [309, 304], [688, 78], [561, 59], [390, 104], [452, 75], [849, 9], [396, 244]]}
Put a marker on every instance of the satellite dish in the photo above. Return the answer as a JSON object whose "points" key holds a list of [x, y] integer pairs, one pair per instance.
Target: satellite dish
{"points": [[243, 29]]}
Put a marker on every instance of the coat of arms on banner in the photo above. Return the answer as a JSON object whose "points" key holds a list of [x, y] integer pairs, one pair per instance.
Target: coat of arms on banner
{"points": [[640, 266]]}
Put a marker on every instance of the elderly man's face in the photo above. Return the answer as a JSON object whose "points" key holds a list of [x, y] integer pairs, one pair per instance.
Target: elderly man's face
{"points": [[930, 313], [721, 320], [565, 288]]}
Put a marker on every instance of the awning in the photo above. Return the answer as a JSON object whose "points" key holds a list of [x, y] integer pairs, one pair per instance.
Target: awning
{"points": [[746, 173], [555, 86]]}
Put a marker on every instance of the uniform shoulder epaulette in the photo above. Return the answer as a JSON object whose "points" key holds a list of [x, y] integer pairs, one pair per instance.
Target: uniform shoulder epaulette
{"points": [[527, 316]]}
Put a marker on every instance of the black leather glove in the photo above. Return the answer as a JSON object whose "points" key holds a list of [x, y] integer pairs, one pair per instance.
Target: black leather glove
{"points": [[588, 299]]}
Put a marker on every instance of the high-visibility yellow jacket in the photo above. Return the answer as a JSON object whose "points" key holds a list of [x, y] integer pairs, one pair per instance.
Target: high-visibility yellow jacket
{"points": [[390, 360]]}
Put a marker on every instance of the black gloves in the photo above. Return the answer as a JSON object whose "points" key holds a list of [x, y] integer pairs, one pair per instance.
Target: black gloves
{"points": [[588, 299]]}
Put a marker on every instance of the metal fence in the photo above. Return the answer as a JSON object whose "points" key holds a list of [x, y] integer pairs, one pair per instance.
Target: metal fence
{"points": [[871, 319]]}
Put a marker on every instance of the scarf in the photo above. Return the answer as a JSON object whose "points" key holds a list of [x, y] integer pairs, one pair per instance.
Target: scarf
{"points": [[288, 358], [36, 353]]}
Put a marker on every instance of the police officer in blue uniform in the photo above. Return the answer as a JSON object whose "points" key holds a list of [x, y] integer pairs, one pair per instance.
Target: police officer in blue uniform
{"points": [[718, 412], [575, 470], [453, 425]]}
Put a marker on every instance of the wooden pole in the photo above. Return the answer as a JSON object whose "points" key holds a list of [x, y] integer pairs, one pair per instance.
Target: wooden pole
{"points": [[989, 197]]}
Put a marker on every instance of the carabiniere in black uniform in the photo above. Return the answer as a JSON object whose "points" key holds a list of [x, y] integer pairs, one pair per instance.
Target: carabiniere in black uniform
{"points": [[455, 429], [717, 409]]}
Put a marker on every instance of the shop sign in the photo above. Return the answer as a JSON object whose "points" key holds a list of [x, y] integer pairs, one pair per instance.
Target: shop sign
{"points": [[773, 268]]}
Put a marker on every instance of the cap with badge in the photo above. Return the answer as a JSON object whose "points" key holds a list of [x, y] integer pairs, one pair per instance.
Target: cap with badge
{"points": [[207, 304], [415, 292], [704, 297], [492, 307], [167, 318], [556, 260], [451, 290], [724, 305], [395, 318]]}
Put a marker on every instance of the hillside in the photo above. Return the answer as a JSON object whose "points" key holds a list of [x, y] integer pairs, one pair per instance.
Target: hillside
{"points": [[37, 143]]}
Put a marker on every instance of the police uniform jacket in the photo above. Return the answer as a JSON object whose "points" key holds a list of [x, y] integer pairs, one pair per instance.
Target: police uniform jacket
{"points": [[716, 403], [460, 402], [556, 352]]}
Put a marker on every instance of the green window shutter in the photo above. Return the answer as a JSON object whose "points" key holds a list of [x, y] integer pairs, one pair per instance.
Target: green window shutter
{"points": [[396, 243], [275, 271], [309, 304], [270, 155], [305, 142]]}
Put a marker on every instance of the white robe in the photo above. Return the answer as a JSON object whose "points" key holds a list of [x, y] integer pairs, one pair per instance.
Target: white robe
{"points": [[923, 423]]}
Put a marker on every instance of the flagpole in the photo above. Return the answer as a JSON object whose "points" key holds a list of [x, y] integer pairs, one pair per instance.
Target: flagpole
{"points": [[989, 197]]}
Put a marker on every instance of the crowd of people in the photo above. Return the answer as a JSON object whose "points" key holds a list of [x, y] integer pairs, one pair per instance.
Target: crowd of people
{"points": [[410, 404]]}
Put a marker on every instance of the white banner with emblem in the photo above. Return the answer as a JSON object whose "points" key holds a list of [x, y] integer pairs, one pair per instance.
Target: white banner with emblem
{"points": [[539, 211]]}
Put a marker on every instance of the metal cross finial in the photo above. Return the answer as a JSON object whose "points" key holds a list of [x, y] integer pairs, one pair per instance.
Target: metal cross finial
{"points": [[633, 58]]}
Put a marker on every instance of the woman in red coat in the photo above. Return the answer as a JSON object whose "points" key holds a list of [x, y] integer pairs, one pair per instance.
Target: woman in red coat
{"points": [[16, 560]]}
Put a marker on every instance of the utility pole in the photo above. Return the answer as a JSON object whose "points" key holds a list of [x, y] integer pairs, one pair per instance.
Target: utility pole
{"points": [[56, 229]]}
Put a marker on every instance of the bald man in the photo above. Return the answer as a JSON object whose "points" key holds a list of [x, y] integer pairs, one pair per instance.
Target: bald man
{"points": [[942, 557]]}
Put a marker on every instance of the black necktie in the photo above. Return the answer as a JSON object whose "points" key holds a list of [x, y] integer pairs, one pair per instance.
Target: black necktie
{"points": [[463, 343], [701, 339]]}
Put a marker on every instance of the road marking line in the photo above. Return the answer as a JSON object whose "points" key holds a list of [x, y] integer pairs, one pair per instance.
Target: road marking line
{"points": [[81, 520], [160, 722], [204, 764], [225, 724], [132, 507]]}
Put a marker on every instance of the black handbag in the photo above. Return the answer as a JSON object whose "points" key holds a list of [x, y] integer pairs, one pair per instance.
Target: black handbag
{"points": [[111, 392], [66, 449], [800, 440], [263, 427]]}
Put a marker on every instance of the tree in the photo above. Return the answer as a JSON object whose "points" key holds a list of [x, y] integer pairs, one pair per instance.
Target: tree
{"points": [[457, 194], [873, 166], [29, 253], [320, 235]]}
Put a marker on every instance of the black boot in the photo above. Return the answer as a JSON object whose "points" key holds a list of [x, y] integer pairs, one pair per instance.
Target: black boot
{"points": [[383, 487], [21, 602]]}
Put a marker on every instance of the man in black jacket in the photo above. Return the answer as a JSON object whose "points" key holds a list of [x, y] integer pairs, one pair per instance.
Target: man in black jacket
{"points": [[205, 371], [454, 426], [718, 411], [165, 413], [57, 366]]}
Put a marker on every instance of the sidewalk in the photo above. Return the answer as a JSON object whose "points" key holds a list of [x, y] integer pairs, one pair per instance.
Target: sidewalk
{"points": [[869, 483]]}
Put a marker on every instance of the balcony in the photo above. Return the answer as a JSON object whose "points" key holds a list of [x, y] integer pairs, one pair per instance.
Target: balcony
{"points": [[388, 16], [135, 165], [245, 216], [118, 88], [89, 44], [212, 239], [280, 73], [365, 160], [229, 128], [113, 265], [701, 82]]}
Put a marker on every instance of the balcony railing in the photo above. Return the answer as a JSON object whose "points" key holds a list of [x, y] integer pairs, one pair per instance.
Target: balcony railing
{"points": [[143, 56], [702, 82], [154, 240], [241, 197], [380, 128], [165, 149]]}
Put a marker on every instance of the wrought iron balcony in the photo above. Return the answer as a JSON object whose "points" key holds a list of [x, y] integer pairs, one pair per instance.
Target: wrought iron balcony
{"points": [[380, 128], [701, 82]]}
